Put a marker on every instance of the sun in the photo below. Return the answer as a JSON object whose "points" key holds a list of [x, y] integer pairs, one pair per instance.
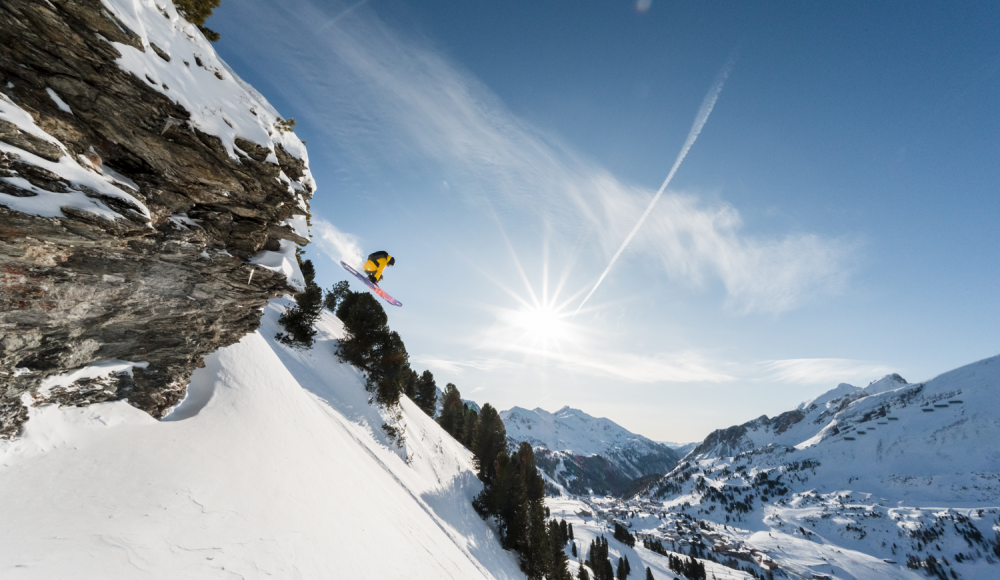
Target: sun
{"points": [[542, 325], [537, 329], [538, 320]]}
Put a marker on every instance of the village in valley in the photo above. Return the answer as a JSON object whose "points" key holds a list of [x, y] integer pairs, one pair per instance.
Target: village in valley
{"points": [[718, 547]]}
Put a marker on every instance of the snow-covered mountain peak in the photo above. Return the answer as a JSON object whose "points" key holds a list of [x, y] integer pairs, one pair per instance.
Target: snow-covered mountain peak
{"points": [[568, 411], [581, 451], [886, 383], [568, 430], [834, 394], [896, 474]]}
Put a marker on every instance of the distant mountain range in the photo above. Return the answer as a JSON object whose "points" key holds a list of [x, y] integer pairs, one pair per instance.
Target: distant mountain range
{"points": [[581, 454], [858, 478], [681, 449]]}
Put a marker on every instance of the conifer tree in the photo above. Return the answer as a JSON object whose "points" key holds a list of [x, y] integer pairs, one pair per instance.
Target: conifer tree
{"points": [[389, 369], [470, 428], [411, 385], [583, 574], [427, 393], [452, 411], [649, 574], [196, 12], [539, 552], [335, 295], [369, 345], [514, 508], [620, 573], [609, 571], [365, 324], [599, 561], [623, 536], [513, 495], [520, 508], [559, 563], [299, 320], [489, 443]]}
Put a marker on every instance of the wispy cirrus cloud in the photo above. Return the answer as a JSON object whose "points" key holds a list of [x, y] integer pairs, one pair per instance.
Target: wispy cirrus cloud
{"points": [[458, 367], [682, 367], [673, 367], [813, 371], [388, 97], [687, 367]]}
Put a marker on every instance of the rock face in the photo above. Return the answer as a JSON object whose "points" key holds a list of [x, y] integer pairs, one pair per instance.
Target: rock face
{"points": [[129, 224]]}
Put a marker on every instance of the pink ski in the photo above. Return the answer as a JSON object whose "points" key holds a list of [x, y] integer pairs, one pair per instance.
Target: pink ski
{"points": [[374, 287]]}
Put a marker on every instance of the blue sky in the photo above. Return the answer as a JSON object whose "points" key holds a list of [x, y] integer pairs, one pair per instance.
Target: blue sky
{"points": [[836, 219]]}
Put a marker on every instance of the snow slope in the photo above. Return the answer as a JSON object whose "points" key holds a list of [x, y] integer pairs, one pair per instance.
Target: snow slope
{"points": [[273, 466]]}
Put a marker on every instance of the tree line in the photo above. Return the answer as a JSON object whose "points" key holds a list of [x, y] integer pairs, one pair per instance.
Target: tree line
{"points": [[513, 488]]}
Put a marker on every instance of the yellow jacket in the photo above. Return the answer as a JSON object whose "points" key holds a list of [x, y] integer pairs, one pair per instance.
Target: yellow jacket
{"points": [[376, 264]]}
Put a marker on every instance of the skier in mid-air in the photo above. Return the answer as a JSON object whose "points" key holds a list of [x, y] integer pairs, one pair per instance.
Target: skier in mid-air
{"points": [[373, 269], [376, 264]]}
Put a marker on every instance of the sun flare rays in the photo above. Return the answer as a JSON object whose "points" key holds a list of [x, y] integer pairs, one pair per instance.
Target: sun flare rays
{"points": [[540, 322]]}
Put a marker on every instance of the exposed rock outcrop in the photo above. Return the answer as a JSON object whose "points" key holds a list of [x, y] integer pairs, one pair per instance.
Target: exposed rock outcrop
{"points": [[148, 257]]}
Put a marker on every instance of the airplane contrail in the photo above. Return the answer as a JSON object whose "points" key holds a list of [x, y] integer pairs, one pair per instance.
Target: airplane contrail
{"points": [[345, 13], [699, 122]]}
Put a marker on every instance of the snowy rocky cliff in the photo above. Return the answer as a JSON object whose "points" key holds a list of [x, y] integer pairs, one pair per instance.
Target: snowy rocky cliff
{"points": [[581, 453], [150, 204]]}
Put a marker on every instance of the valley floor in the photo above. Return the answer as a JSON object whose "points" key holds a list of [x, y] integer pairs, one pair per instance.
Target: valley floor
{"points": [[787, 541]]}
